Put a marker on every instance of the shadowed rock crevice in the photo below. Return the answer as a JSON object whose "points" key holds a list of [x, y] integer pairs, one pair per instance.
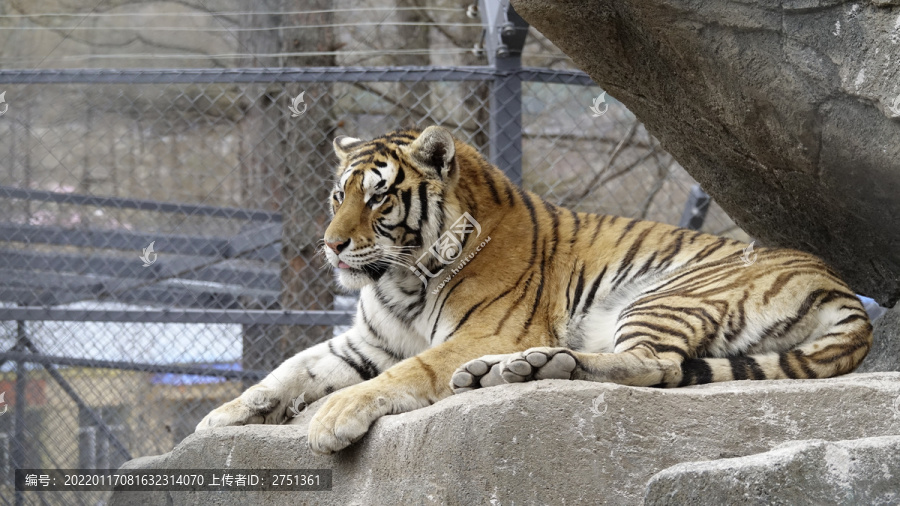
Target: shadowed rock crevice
{"points": [[788, 116]]}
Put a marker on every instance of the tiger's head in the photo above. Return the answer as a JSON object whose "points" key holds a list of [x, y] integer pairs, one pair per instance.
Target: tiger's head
{"points": [[389, 201]]}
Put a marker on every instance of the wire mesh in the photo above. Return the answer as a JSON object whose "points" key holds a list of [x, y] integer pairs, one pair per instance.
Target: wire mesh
{"points": [[158, 230]]}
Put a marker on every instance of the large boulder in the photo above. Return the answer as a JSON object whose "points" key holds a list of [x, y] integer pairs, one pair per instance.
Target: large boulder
{"points": [[860, 471], [545, 442], [787, 113], [885, 352]]}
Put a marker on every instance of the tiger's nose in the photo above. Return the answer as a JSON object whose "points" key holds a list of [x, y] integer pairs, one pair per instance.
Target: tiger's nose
{"points": [[337, 246]]}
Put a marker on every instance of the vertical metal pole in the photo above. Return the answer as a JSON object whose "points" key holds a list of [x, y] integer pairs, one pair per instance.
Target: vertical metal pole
{"points": [[695, 209], [506, 125], [505, 33], [18, 446]]}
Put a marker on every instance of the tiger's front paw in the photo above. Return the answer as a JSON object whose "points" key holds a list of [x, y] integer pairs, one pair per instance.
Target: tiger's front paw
{"points": [[345, 418], [258, 404]]}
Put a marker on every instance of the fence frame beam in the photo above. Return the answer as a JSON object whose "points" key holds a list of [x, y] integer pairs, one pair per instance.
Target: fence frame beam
{"points": [[49, 361], [209, 316], [284, 75]]}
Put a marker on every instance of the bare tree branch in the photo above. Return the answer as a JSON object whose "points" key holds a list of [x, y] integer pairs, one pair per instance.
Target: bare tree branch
{"points": [[572, 201], [577, 137], [593, 183], [663, 176]]}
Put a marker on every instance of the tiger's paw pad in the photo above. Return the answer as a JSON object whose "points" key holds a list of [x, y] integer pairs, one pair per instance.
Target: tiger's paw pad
{"points": [[478, 373], [538, 364]]}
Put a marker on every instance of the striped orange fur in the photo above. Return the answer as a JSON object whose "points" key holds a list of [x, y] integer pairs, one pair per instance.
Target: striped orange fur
{"points": [[536, 291]]}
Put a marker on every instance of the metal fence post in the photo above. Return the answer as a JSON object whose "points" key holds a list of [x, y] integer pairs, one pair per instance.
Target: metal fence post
{"points": [[18, 446], [505, 33]]}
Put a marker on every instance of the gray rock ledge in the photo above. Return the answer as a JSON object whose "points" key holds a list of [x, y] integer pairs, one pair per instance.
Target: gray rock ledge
{"points": [[860, 471], [545, 442]]}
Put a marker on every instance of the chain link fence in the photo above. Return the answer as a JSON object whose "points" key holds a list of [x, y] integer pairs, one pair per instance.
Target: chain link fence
{"points": [[158, 228]]}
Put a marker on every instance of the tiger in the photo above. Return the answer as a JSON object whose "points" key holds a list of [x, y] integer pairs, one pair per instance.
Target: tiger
{"points": [[467, 281]]}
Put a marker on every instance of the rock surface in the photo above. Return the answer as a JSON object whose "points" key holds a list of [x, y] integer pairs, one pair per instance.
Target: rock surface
{"points": [[860, 471], [787, 113], [885, 352], [545, 442]]}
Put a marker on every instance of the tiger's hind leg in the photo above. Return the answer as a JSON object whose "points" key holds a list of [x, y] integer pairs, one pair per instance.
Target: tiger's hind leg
{"points": [[837, 352], [644, 365], [643, 357], [662, 360], [645, 353], [636, 367], [680, 341], [532, 364], [827, 335]]}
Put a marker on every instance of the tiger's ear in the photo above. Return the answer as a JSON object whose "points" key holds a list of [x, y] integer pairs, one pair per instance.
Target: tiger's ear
{"points": [[435, 150], [343, 145]]}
